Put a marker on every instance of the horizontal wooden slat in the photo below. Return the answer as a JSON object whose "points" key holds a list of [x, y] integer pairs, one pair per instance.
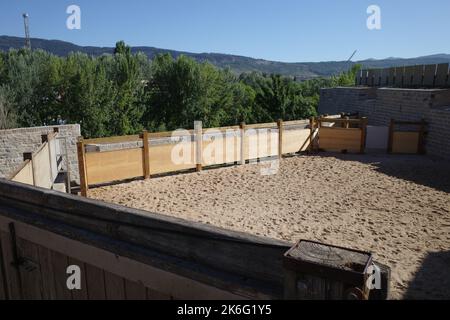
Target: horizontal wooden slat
{"points": [[114, 165], [108, 140]]}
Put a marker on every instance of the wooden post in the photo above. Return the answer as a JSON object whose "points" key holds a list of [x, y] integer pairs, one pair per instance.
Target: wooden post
{"points": [[311, 135], [280, 138], [347, 123], [82, 167], [363, 133], [29, 156], [391, 135], [146, 154], [198, 134], [242, 127]]}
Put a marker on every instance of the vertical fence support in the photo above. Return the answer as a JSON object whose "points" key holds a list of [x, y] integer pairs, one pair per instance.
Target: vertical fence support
{"points": [[146, 154], [364, 122], [280, 138], [82, 167], [29, 156], [242, 131], [311, 134], [198, 135]]}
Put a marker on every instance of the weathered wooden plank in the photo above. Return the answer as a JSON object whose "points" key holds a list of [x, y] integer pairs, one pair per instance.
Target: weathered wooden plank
{"points": [[156, 295], [399, 76], [114, 165], [408, 79], [135, 291], [441, 75], [60, 263], [12, 274], [429, 74], [30, 272], [3, 284], [114, 287], [238, 253], [47, 274], [95, 279], [41, 168], [80, 294]]}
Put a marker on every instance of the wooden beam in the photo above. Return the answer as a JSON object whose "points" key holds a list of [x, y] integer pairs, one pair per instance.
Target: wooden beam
{"points": [[242, 157], [146, 154], [82, 167], [280, 138], [198, 144], [311, 136]]}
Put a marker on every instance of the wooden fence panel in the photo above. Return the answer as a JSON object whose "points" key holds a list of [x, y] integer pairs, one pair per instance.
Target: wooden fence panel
{"points": [[25, 174], [12, 274], [114, 165], [338, 139], [41, 168], [48, 274], [408, 76], [405, 142], [30, 271], [52, 145], [260, 143], [135, 291], [428, 75], [3, 281], [296, 140], [399, 75], [417, 77], [161, 157], [220, 147], [441, 75]]}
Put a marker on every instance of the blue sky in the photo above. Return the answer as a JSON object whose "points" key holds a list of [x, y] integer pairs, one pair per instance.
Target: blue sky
{"points": [[283, 30]]}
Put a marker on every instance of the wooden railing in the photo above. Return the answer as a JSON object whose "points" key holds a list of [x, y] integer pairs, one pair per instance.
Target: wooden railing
{"points": [[419, 76], [152, 153]]}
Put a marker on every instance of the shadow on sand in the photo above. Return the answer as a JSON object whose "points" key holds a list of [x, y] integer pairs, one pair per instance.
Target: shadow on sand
{"points": [[433, 273], [418, 169]]}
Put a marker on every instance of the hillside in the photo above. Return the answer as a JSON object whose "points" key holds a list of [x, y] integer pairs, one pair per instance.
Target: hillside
{"points": [[239, 64]]}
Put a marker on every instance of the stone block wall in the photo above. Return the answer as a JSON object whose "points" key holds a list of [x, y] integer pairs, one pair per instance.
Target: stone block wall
{"points": [[381, 105], [15, 142]]}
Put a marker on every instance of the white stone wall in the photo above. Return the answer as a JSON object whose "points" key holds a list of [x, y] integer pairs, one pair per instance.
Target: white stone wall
{"points": [[15, 142]]}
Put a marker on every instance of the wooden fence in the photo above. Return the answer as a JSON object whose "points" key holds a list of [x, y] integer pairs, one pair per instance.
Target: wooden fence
{"points": [[41, 167], [419, 76], [153, 153], [409, 140], [125, 253], [339, 135]]}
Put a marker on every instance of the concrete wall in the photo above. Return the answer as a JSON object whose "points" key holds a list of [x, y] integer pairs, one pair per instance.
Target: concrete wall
{"points": [[381, 105], [14, 142]]}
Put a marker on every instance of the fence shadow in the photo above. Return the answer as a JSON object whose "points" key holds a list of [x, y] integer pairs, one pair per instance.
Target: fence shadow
{"points": [[415, 168], [433, 273]]}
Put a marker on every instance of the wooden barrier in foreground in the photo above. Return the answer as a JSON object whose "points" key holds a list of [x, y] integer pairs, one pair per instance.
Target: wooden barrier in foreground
{"points": [[153, 153], [124, 253]]}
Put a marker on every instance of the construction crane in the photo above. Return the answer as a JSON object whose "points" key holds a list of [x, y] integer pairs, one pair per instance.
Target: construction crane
{"points": [[27, 30]]}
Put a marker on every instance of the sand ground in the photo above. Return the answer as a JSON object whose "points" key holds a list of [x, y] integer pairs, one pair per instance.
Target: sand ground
{"points": [[397, 207]]}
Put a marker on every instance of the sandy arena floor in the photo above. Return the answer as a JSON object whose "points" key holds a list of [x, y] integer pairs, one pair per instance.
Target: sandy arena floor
{"points": [[398, 207]]}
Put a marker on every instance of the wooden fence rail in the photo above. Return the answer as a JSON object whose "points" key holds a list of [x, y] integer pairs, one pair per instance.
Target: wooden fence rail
{"points": [[153, 153], [419, 76]]}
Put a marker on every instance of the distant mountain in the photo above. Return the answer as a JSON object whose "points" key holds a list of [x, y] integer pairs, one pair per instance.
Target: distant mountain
{"points": [[238, 64]]}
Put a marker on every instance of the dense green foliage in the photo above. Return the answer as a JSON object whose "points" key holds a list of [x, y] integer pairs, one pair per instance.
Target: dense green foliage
{"points": [[122, 93]]}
